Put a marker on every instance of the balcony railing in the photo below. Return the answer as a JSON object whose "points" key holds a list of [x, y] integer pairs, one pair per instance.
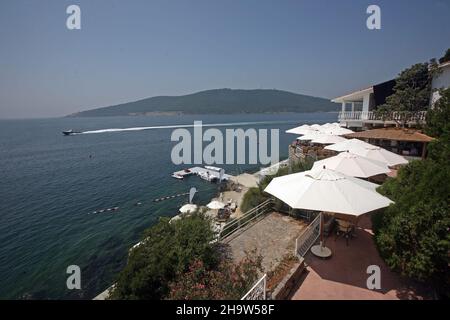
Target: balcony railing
{"points": [[371, 116]]}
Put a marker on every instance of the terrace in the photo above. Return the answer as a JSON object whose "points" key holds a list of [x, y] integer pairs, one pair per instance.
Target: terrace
{"points": [[407, 142], [359, 108], [374, 118], [344, 275]]}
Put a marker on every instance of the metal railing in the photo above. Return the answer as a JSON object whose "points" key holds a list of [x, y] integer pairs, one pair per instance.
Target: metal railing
{"points": [[396, 116], [245, 219], [304, 242], [258, 291]]}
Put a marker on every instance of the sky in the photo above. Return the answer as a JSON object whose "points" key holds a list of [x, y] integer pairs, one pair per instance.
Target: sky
{"points": [[129, 50]]}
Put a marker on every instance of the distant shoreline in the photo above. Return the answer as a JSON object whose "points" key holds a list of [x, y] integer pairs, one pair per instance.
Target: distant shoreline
{"points": [[181, 113], [158, 114], [218, 101]]}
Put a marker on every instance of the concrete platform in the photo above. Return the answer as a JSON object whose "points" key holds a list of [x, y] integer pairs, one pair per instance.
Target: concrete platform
{"points": [[344, 275], [273, 237]]}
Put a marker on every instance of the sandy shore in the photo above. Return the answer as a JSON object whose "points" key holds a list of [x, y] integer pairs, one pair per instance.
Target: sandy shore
{"points": [[246, 181]]}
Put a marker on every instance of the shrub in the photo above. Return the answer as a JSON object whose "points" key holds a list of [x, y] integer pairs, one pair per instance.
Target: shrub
{"points": [[446, 57], [413, 234], [228, 281], [255, 196], [166, 250], [252, 198]]}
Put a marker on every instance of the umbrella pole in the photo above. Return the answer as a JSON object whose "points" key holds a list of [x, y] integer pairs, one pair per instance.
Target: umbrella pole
{"points": [[321, 230]]}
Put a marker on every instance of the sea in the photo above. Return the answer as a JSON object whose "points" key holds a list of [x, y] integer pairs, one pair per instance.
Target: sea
{"points": [[51, 185]]}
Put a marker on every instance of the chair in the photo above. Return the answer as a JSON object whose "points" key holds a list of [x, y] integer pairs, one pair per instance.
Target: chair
{"points": [[223, 214], [344, 228]]}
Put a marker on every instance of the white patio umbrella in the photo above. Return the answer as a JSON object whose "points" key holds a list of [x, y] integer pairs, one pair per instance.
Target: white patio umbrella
{"points": [[335, 131], [215, 205], [348, 145], [315, 126], [188, 208], [310, 136], [327, 190], [333, 125], [353, 165], [327, 139], [303, 129], [341, 131], [380, 154]]}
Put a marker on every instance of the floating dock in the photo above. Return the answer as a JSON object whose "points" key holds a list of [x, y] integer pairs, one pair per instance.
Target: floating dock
{"points": [[206, 173]]}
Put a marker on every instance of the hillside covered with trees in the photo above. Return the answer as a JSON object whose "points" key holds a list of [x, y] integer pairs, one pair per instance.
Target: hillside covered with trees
{"points": [[218, 101]]}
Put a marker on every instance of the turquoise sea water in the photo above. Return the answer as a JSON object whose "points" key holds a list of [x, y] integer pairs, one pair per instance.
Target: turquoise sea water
{"points": [[50, 185]]}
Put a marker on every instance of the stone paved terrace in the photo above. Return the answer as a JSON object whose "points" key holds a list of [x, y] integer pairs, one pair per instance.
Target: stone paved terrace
{"points": [[273, 237], [343, 276]]}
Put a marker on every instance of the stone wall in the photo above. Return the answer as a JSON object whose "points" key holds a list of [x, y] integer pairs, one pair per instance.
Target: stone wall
{"points": [[290, 282]]}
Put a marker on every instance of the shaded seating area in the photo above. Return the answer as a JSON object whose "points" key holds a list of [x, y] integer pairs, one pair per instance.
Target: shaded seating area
{"points": [[344, 275], [344, 229], [223, 214], [406, 142], [325, 190], [329, 225]]}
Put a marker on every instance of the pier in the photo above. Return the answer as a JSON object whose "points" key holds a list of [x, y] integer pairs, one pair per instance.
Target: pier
{"points": [[206, 173]]}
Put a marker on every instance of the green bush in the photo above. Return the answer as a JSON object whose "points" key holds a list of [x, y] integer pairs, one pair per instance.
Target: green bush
{"points": [[252, 198], [255, 196], [229, 280], [413, 234], [445, 57], [167, 249]]}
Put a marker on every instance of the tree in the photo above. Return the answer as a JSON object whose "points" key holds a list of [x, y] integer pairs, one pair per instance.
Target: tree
{"points": [[412, 91], [446, 57], [256, 195], [438, 117], [229, 281], [167, 249], [413, 234], [438, 126]]}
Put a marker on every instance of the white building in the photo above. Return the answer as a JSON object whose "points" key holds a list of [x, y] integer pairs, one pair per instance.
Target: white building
{"points": [[441, 80], [358, 108]]}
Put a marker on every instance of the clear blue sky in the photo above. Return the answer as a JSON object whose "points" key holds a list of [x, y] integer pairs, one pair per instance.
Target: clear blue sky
{"points": [[127, 50]]}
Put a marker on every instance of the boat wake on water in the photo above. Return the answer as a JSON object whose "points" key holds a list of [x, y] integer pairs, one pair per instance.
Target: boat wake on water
{"points": [[231, 124]]}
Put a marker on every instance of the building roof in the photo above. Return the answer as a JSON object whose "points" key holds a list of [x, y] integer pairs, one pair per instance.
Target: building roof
{"points": [[354, 96], [358, 95], [392, 134]]}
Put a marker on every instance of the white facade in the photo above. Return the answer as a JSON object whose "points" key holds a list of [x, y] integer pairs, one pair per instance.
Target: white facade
{"points": [[355, 107], [441, 81]]}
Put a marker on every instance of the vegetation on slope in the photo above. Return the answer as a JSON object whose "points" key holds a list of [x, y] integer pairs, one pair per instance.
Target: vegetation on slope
{"points": [[255, 196], [413, 234], [178, 260], [219, 101], [412, 91]]}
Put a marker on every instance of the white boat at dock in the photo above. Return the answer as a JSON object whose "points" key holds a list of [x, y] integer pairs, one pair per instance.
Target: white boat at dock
{"points": [[213, 168], [208, 173]]}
